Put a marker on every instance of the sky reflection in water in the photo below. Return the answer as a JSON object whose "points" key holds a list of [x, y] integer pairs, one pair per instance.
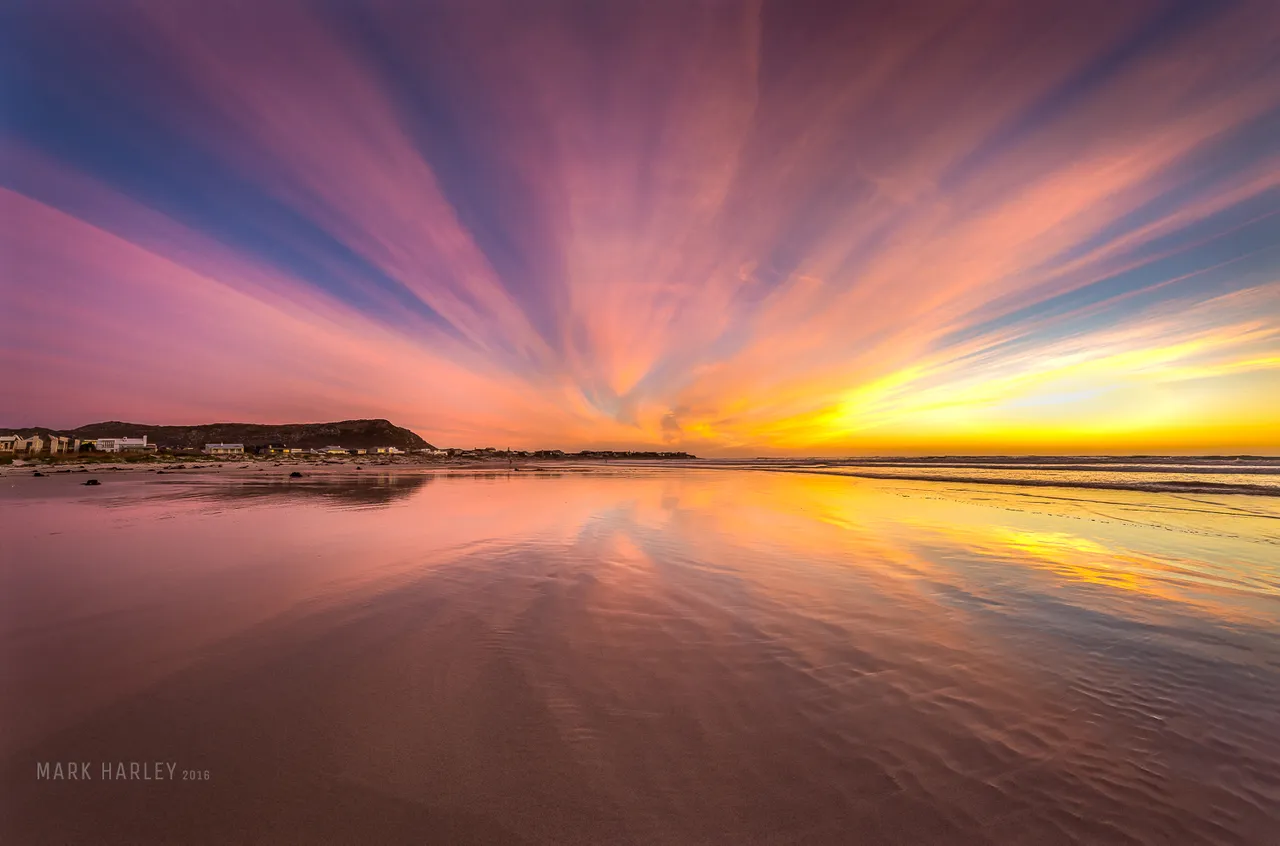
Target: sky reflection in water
{"points": [[645, 656]]}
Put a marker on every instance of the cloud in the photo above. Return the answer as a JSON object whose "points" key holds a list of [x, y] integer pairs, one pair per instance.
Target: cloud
{"points": [[745, 228], [671, 431]]}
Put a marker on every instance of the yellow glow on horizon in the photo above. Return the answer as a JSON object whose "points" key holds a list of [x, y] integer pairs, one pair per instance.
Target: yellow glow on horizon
{"points": [[1207, 379]]}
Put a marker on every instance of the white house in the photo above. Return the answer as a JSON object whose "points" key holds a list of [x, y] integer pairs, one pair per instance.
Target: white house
{"points": [[124, 444], [224, 449]]}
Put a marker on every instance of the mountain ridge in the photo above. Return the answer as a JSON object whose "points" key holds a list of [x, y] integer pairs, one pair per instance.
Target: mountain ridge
{"points": [[361, 433]]}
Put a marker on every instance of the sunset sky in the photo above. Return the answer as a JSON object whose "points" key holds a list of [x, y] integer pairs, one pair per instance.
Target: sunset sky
{"points": [[731, 228]]}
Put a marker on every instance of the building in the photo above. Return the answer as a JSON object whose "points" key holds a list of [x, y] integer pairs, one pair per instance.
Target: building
{"points": [[224, 449], [17, 443], [36, 444], [334, 450], [124, 445], [63, 444]]}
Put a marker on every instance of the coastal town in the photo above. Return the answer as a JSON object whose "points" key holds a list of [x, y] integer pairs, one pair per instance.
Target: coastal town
{"points": [[47, 446]]}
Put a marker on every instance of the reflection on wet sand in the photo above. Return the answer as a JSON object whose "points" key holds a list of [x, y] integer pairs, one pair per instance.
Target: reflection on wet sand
{"points": [[355, 489], [644, 657]]}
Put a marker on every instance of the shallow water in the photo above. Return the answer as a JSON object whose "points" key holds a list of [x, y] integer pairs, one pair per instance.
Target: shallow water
{"points": [[1243, 474], [638, 656]]}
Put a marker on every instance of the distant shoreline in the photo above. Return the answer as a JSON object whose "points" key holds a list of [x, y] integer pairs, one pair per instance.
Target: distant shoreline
{"points": [[114, 462], [1096, 476]]}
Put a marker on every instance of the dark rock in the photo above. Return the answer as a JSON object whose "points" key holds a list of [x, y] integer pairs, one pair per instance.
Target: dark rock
{"points": [[295, 475], [92, 482], [37, 473]]}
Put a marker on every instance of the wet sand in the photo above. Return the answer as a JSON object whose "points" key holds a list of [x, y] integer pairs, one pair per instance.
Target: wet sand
{"points": [[635, 655]]}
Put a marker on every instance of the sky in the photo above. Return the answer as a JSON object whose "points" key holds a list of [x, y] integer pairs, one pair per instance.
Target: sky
{"points": [[731, 228]]}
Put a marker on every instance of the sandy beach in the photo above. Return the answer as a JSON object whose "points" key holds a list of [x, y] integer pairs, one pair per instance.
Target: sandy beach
{"points": [[271, 467]]}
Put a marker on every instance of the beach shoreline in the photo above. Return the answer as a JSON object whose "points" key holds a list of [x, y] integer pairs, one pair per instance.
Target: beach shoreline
{"points": [[177, 464], [1154, 478]]}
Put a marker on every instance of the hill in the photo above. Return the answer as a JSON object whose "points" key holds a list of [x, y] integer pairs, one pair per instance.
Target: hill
{"points": [[347, 433]]}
